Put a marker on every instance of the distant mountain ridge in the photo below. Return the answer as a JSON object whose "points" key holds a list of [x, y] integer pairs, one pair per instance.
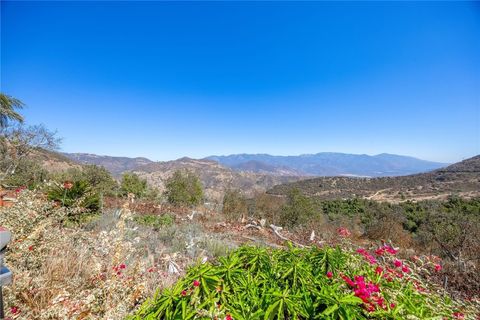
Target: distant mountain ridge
{"points": [[329, 164]]}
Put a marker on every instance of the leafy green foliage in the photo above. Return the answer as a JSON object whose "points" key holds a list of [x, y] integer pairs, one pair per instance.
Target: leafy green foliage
{"points": [[155, 221], [28, 173], [298, 210], [184, 188], [131, 183], [75, 194], [97, 177], [258, 283]]}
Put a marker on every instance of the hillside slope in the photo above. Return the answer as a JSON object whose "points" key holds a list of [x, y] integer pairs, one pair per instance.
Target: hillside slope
{"points": [[116, 165], [215, 177], [461, 178], [329, 164], [52, 161]]}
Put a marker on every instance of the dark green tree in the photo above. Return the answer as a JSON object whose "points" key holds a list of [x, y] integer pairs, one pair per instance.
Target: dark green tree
{"points": [[298, 209], [184, 188], [132, 183]]}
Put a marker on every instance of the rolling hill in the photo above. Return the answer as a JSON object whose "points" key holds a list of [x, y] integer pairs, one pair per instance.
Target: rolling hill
{"points": [[116, 165], [215, 177], [461, 179]]}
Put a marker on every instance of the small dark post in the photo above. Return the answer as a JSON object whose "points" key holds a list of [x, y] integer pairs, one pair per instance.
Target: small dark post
{"points": [[5, 274], [2, 315]]}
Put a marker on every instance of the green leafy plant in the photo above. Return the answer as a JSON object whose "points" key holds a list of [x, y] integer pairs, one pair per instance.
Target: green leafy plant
{"points": [[155, 221], [309, 283], [132, 183], [184, 188], [75, 194]]}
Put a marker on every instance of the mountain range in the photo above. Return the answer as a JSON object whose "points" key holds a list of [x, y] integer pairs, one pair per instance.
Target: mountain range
{"points": [[329, 164]]}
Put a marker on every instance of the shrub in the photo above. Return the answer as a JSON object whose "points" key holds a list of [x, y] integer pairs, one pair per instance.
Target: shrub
{"points": [[131, 183], [75, 194], [298, 210], [234, 205], [184, 188], [155, 221], [28, 173], [100, 179]]}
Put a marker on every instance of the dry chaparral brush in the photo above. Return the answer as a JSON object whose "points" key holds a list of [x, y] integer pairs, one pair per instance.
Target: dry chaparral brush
{"points": [[75, 273]]}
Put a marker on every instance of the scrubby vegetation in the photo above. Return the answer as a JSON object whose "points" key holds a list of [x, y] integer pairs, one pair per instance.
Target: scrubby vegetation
{"points": [[184, 188]]}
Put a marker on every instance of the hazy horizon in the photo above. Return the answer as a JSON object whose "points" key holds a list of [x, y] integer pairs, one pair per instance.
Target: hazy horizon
{"points": [[164, 80]]}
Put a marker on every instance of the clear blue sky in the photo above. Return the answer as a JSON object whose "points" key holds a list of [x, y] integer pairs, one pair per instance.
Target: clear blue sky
{"points": [[166, 80]]}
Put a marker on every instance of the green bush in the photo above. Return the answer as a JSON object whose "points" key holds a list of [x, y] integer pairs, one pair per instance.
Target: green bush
{"points": [[78, 194], [155, 221], [313, 283], [184, 188], [298, 210], [234, 205], [132, 183], [29, 173], [97, 177]]}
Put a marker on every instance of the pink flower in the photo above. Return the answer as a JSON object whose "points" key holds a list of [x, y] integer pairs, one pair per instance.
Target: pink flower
{"points": [[390, 249], [367, 255], [150, 269], [20, 189], [30, 248], [343, 232], [68, 185], [438, 267], [14, 310], [405, 269], [397, 263], [348, 281], [196, 283], [392, 305], [458, 315], [122, 266], [184, 293], [228, 317], [378, 270], [329, 274]]}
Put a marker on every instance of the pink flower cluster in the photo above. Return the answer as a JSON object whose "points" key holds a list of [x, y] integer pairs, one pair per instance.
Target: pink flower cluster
{"points": [[195, 283], [118, 269], [343, 232], [385, 249], [20, 189], [367, 255], [368, 292], [15, 310]]}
